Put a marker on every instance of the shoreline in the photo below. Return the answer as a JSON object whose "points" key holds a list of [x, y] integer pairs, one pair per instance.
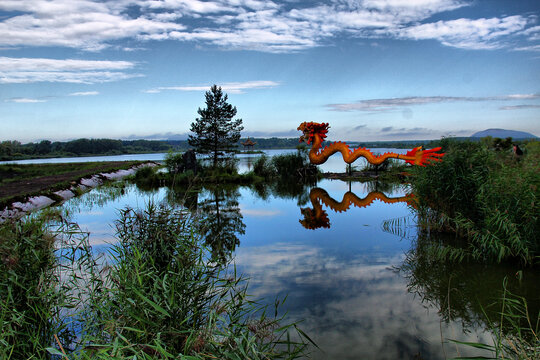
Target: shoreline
{"points": [[17, 209]]}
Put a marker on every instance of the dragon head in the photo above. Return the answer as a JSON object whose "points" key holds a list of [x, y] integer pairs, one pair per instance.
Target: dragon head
{"points": [[314, 219], [309, 130]]}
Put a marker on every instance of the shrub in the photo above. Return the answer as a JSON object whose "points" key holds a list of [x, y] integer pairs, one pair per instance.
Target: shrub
{"points": [[174, 162], [263, 167], [146, 177], [296, 165]]}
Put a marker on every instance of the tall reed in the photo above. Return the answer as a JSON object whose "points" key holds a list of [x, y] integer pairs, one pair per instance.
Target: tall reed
{"points": [[515, 331], [159, 295], [32, 297], [487, 197]]}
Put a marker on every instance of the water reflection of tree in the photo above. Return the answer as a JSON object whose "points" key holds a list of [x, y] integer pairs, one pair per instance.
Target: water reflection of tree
{"points": [[183, 196], [220, 221], [285, 188], [466, 292], [382, 186]]}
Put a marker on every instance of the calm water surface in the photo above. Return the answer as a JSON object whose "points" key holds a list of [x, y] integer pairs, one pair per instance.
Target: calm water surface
{"points": [[349, 277]]}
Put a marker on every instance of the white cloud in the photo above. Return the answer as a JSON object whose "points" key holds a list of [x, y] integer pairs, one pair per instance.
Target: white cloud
{"points": [[43, 64], [269, 26], [25, 100], [519, 107], [233, 88], [30, 70], [84, 24], [395, 103], [528, 48], [533, 33], [466, 33], [84, 93]]}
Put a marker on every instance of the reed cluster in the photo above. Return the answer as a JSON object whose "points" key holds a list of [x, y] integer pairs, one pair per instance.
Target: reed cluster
{"points": [[156, 294], [486, 196]]}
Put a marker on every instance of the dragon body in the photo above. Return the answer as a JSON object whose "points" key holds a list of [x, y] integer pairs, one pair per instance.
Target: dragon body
{"points": [[315, 133]]}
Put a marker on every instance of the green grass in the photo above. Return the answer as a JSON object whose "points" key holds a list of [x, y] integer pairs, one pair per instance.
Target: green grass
{"points": [[488, 197], [30, 300]]}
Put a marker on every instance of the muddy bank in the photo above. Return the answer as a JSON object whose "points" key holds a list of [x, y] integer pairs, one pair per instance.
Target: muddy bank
{"points": [[47, 198]]}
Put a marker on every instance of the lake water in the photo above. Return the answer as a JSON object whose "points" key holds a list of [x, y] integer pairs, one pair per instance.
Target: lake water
{"points": [[350, 276]]}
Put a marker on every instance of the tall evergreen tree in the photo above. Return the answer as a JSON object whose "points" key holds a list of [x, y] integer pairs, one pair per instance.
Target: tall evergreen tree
{"points": [[216, 132]]}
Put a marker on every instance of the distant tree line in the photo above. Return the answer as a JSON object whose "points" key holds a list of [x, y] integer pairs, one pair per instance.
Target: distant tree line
{"points": [[261, 143], [14, 150]]}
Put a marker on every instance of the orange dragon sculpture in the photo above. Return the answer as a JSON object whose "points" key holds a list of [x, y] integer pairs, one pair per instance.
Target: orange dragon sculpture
{"points": [[316, 217], [316, 133]]}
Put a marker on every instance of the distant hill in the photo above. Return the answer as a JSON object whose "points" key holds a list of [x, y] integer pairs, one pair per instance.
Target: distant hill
{"points": [[503, 134]]}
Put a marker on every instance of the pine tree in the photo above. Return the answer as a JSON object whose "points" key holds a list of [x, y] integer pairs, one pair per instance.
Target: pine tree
{"points": [[216, 132]]}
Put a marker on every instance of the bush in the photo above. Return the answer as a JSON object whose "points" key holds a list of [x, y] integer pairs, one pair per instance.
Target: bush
{"points": [[263, 167], [286, 166], [174, 162], [146, 177]]}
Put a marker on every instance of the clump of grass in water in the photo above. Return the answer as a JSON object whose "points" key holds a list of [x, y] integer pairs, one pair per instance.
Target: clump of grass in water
{"points": [[515, 334], [288, 166], [168, 299], [161, 297]]}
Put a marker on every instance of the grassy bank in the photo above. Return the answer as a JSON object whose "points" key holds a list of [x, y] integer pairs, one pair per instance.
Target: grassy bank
{"points": [[158, 296], [19, 181], [486, 196]]}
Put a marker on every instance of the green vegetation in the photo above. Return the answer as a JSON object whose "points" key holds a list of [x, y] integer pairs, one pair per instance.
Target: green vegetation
{"points": [[487, 196], [30, 304], [285, 167], [14, 150], [515, 331], [158, 297], [215, 131]]}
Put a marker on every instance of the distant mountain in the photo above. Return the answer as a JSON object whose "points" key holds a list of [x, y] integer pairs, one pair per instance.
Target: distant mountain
{"points": [[503, 134]]}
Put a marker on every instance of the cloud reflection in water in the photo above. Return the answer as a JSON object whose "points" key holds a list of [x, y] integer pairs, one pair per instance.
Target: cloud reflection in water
{"points": [[351, 307]]}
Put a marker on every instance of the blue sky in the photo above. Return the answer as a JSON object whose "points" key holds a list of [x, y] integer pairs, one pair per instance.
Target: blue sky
{"points": [[373, 69]]}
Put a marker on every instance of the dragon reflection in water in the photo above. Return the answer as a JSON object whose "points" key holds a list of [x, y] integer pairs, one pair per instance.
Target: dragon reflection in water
{"points": [[316, 217]]}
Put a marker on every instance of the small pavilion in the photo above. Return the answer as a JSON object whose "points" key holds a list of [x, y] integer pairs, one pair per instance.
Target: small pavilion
{"points": [[248, 144]]}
